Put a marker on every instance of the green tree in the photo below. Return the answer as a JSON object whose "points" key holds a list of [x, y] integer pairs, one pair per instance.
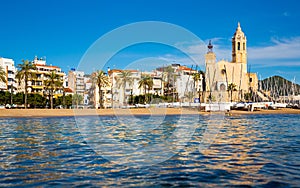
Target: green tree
{"points": [[19, 98], [231, 88], [4, 97], [168, 77], [77, 99], [197, 78], [36, 100], [122, 81], [139, 99], [147, 84], [66, 101], [150, 86], [2, 75], [25, 73], [248, 96], [91, 94], [101, 80], [53, 83], [58, 101]]}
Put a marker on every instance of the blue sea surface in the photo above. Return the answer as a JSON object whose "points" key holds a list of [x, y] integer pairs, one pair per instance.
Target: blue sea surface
{"points": [[160, 151]]}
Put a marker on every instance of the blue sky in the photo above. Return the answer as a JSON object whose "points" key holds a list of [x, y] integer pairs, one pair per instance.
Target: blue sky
{"points": [[63, 30]]}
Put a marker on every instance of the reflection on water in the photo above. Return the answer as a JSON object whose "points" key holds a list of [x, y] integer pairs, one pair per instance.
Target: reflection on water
{"points": [[254, 150]]}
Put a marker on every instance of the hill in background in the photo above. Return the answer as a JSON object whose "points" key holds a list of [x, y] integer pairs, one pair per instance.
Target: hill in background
{"points": [[280, 85]]}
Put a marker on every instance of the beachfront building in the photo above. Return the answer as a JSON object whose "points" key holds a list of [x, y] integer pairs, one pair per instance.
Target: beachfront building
{"points": [[92, 93], [168, 77], [42, 72], [124, 84], [76, 82], [8, 66], [186, 86], [157, 87], [88, 86], [179, 82], [229, 81], [106, 96]]}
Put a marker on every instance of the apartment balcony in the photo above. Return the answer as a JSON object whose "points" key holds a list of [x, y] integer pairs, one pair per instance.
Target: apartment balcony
{"points": [[108, 96], [11, 82], [37, 87], [39, 79], [56, 95], [10, 75], [80, 89]]}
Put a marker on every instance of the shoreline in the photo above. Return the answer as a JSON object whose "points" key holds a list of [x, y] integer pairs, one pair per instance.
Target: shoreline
{"points": [[15, 113]]}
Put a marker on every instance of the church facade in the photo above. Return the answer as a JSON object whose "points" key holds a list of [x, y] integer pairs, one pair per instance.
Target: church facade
{"points": [[230, 81]]}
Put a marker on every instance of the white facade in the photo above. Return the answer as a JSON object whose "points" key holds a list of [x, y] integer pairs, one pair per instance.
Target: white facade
{"points": [[88, 86], [76, 82], [131, 88], [185, 86], [116, 95], [157, 88], [106, 94], [9, 68]]}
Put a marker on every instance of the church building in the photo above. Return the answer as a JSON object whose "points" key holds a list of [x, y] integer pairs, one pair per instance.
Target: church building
{"points": [[230, 81]]}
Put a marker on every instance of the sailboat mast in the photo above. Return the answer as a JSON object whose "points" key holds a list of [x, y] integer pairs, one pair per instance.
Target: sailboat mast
{"points": [[240, 92]]}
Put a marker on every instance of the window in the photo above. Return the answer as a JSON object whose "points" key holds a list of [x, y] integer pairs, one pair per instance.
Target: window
{"points": [[250, 79], [239, 46], [244, 46]]}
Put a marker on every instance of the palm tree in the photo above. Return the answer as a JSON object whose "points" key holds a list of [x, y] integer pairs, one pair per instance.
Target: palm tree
{"points": [[53, 83], [77, 99], [123, 79], [197, 78], [168, 77], [2, 75], [147, 83], [150, 86], [231, 88], [101, 80], [26, 72], [91, 94]]}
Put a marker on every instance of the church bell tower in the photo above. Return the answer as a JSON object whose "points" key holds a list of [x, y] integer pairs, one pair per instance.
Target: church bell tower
{"points": [[210, 65], [239, 46]]}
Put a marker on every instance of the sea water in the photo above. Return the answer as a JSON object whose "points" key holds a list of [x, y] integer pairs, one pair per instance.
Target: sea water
{"points": [[147, 151]]}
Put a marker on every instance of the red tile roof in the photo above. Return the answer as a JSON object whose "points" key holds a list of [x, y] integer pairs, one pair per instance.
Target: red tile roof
{"points": [[68, 90]]}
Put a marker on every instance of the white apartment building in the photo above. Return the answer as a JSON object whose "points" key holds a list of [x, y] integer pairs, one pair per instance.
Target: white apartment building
{"points": [[9, 68], [158, 86], [182, 84], [116, 95], [186, 87], [106, 96], [76, 82], [88, 86], [120, 96]]}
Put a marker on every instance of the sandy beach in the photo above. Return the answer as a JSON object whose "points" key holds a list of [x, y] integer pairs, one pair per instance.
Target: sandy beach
{"points": [[139, 111]]}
